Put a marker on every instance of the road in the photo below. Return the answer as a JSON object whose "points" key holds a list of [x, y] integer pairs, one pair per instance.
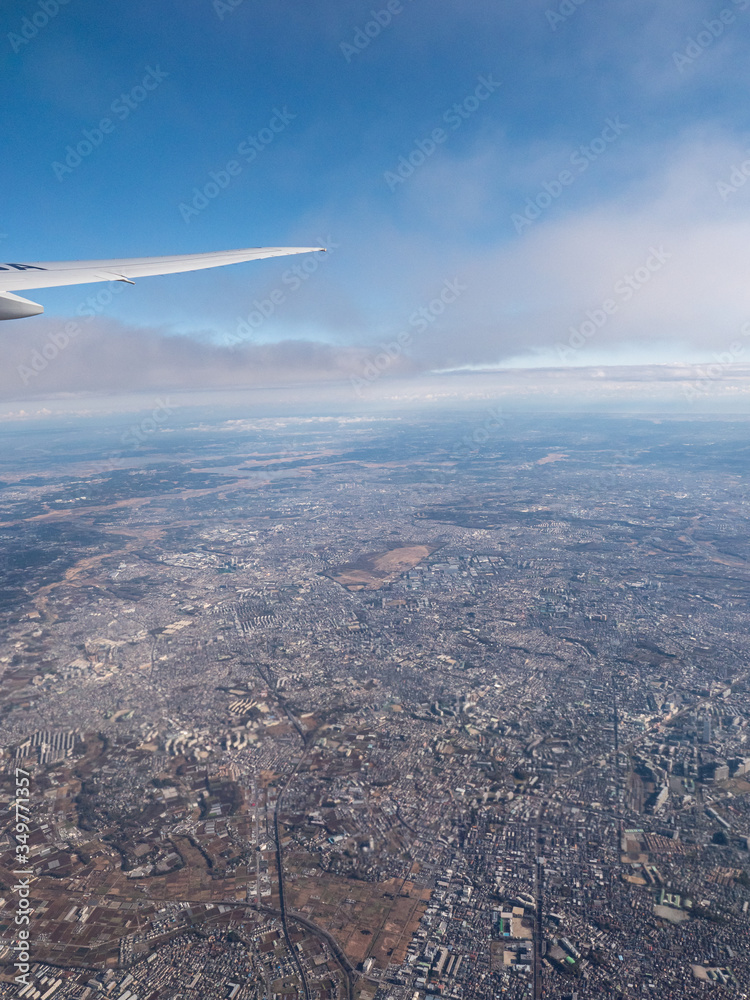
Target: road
{"points": [[538, 987], [280, 868], [283, 912]]}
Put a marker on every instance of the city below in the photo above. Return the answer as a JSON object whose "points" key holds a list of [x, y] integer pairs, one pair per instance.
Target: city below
{"points": [[375, 707]]}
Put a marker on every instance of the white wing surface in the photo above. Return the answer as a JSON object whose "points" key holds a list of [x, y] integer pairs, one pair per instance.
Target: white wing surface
{"points": [[49, 274]]}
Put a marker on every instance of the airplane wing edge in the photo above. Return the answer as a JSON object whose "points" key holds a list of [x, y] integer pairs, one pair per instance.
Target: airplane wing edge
{"points": [[53, 274]]}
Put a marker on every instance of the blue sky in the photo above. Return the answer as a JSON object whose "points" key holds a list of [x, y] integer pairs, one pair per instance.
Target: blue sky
{"points": [[557, 150]]}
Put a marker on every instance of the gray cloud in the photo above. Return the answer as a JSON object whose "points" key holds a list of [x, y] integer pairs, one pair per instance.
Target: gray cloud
{"points": [[41, 358], [523, 292]]}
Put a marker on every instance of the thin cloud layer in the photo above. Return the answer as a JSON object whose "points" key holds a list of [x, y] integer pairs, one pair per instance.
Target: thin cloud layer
{"points": [[49, 357], [535, 180], [668, 268]]}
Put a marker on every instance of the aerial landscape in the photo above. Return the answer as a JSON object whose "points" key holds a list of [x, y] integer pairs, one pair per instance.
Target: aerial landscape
{"points": [[344, 708], [374, 622]]}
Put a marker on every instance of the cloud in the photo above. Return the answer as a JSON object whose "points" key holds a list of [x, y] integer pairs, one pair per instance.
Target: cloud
{"points": [[45, 357], [525, 292]]}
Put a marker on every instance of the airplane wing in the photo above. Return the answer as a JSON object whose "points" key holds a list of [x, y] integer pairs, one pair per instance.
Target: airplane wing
{"points": [[49, 274]]}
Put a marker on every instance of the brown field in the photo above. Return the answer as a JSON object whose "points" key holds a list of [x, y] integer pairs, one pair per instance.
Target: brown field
{"points": [[362, 917], [115, 896], [374, 569]]}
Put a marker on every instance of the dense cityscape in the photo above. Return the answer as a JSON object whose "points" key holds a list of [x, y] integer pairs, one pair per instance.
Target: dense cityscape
{"points": [[389, 707]]}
